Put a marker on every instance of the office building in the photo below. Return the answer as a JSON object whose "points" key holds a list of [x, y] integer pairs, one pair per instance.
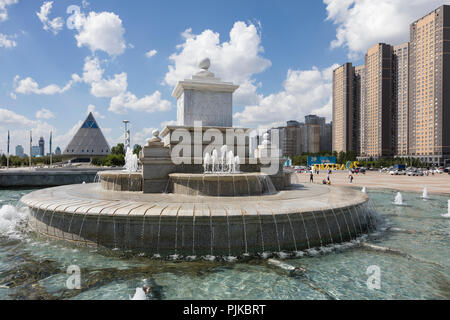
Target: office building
{"points": [[41, 146], [376, 124], [429, 93], [343, 117], [35, 151], [19, 151], [359, 94], [400, 99]]}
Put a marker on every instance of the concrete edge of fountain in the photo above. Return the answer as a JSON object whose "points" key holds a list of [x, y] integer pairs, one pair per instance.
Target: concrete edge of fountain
{"points": [[164, 224], [90, 199]]}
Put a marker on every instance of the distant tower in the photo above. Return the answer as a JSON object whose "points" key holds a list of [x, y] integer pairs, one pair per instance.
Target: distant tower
{"points": [[41, 147], [58, 151]]}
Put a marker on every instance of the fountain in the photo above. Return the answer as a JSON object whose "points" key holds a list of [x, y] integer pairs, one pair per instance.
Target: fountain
{"points": [[364, 190], [447, 215], [425, 193], [129, 179], [218, 202], [131, 161], [398, 199]]}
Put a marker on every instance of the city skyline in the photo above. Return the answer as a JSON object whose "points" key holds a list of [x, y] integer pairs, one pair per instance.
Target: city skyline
{"points": [[396, 103], [68, 75]]}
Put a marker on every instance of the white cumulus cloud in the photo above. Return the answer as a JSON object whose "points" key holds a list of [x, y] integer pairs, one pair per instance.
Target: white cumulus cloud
{"points": [[8, 117], [29, 85], [142, 136], [101, 87], [116, 89], [363, 23], [44, 114], [54, 25], [6, 41], [3, 9], [304, 92], [236, 60], [151, 53], [100, 31], [150, 103], [97, 115]]}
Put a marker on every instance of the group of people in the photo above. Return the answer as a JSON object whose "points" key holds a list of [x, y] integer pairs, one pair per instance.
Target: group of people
{"points": [[324, 181], [327, 180]]}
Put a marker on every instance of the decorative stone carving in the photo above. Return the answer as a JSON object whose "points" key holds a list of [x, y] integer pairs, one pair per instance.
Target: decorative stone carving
{"points": [[156, 140]]}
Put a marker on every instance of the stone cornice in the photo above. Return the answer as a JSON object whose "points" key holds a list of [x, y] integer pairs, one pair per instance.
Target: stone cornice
{"points": [[217, 86]]}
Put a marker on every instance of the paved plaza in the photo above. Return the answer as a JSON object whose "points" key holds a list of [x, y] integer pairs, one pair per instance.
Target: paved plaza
{"points": [[439, 183]]}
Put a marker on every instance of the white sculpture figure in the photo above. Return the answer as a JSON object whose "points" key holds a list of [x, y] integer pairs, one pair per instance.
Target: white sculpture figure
{"points": [[131, 161], [206, 162]]}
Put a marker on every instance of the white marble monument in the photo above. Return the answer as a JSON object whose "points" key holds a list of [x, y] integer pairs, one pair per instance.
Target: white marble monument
{"points": [[205, 98]]}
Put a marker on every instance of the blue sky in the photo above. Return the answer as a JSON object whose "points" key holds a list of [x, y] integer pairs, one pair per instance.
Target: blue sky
{"points": [[282, 53]]}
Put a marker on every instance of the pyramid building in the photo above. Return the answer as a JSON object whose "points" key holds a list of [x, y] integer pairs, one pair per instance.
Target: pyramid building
{"points": [[89, 141]]}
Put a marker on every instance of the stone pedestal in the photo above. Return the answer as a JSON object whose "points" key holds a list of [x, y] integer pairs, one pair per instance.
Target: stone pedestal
{"points": [[156, 164], [185, 138], [205, 98]]}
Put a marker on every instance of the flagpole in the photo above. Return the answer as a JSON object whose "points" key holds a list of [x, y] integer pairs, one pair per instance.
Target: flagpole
{"points": [[7, 159], [31, 141], [51, 158]]}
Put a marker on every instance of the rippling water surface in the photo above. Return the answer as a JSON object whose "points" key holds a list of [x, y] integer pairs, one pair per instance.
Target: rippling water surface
{"points": [[417, 267]]}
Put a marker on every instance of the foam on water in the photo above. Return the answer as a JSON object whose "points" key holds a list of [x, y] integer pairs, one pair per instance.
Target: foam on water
{"points": [[299, 254], [230, 258], [139, 295], [174, 256], [447, 215], [11, 219], [209, 258], [283, 255]]}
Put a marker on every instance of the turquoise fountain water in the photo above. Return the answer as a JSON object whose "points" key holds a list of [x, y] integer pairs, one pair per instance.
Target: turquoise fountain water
{"points": [[416, 266]]}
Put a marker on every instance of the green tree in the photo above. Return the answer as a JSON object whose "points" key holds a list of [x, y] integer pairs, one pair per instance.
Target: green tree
{"points": [[137, 149], [118, 150]]}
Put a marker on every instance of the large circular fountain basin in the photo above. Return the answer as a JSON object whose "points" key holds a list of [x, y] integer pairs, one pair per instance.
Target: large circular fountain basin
{"points": [[166, 224], [222, 184]]}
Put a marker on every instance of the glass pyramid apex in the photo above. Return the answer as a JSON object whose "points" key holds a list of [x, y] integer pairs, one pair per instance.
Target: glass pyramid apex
{"points": [[90, 122]]}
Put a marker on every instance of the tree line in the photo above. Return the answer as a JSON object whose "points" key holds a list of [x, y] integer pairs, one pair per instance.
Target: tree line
{"points": [[117, 156]]}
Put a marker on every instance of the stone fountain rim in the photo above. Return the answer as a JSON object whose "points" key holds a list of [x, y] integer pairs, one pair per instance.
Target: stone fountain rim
{"points": [[215, 176], [90, 200], [119, 173]]}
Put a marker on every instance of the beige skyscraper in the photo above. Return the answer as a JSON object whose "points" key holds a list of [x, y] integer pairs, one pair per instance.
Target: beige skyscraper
{"points": [[343, 118], [358, 101], [429, 92], [400, 103], [376, 122]]}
